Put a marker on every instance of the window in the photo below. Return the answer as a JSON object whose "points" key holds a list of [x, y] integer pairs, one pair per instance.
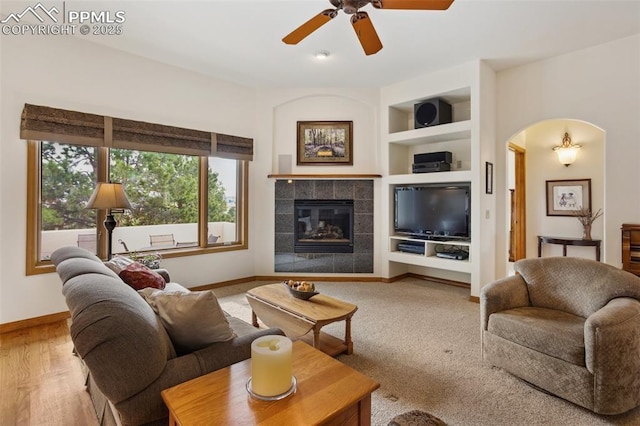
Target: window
{"points": [[188, 188], [165, 190], [68, 177], [223, 219]]}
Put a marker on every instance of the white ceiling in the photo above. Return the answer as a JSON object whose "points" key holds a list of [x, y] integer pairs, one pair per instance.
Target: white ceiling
{"points": [[240, 40]]}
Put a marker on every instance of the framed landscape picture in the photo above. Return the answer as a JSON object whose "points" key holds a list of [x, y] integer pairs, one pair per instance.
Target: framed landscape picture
{"points": [[325, 142], [566, 196]]}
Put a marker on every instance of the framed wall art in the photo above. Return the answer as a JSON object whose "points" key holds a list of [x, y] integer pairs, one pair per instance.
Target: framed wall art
{"points": [[488, 184], [566, 196], [325, 142]]}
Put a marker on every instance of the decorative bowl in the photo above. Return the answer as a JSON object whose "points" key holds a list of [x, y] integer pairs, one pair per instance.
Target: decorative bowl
{"points": [[303, 295]]}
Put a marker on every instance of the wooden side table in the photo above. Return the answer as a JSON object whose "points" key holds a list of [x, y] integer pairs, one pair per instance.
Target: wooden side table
{"points": [[564, 241], [328, 392]]}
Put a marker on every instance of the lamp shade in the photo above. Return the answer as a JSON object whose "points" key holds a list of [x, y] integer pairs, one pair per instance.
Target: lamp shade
{"points": [[567, 151], [109, 196], [567, 155]]}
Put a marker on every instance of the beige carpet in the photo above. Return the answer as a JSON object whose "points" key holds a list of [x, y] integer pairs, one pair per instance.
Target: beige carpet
{"points": [[421, 342]]}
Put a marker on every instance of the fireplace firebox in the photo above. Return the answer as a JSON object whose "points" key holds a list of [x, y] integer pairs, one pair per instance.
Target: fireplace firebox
{"points": [[323, 226]]}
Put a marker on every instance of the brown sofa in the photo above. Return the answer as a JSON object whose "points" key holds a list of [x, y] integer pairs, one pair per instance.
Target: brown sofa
{"points": [[569, 326], [127, 353]]}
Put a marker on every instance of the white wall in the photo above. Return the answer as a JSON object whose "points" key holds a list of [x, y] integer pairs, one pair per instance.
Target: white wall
{"points": [[69, 73], [599, 85]]}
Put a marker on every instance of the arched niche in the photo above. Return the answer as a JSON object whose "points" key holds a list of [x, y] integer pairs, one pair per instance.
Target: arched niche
{"points": [[326, 107]]}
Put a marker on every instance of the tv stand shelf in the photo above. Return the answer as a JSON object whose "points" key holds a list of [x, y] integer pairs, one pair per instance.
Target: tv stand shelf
{"points": [[438, 240], [429, 258], [444, 132], [457, 176]]}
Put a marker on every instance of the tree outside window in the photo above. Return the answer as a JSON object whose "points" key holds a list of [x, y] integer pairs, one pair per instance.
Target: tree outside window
{"points": [[162, 188]]}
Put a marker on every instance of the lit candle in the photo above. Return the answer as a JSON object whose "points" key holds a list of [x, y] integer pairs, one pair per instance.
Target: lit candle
{"points": [[271, 371]]}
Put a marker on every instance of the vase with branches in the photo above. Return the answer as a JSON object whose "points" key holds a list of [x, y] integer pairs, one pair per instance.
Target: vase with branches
{"points": [[586, 218]]}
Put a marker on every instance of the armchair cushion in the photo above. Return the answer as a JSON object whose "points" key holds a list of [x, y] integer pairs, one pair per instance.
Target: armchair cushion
{"points": [[554, 333], [574, 285]]}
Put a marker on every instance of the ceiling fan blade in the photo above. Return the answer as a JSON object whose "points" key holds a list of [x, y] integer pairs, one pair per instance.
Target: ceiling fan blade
{"points": [[297, 35], [413, 4], [366, 33]]}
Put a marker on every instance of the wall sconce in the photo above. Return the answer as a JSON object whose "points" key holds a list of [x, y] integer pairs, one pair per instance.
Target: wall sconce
{"points": [[567, 151]]}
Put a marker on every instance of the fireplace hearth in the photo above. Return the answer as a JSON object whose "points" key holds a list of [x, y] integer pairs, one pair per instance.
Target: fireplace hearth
{"points": [[323, 226], [325, 259]]}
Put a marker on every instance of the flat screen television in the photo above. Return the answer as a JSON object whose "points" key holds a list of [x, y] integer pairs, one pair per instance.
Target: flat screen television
{"points": [[434, 210]]}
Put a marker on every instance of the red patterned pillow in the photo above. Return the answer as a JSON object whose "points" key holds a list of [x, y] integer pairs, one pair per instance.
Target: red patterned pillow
{"points": [[139, 276]]}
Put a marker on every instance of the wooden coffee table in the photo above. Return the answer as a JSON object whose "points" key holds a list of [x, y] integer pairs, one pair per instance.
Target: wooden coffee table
{"points": [[328, 392], [276, 307]]}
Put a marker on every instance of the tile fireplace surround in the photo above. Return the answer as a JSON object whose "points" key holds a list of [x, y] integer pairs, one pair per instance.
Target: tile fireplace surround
{"points": [[360, 191]]}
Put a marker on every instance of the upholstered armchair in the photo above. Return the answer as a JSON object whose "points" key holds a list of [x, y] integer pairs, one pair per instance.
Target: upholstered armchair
{"points": [[569, 326]]}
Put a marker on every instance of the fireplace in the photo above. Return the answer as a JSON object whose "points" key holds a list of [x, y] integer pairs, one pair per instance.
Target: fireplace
{"points": [[287, 260], [323, 226]]}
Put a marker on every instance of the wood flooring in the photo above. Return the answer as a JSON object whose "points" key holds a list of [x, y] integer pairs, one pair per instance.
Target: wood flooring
{"points": [[41, 381]]}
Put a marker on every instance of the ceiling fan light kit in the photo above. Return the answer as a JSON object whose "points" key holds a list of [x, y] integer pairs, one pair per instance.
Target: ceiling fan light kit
{"points": [[360, 21], [321, 55]]}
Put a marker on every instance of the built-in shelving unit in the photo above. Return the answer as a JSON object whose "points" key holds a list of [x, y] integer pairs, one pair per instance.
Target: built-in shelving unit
{"points": [[463, 137], [403, 140]]}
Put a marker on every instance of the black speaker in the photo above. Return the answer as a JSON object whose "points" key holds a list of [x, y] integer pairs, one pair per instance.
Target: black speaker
{"points": [[431, 157], [431, 113]]}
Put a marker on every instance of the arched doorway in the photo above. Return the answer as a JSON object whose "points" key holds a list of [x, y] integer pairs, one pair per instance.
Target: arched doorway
{"points": [[541, 164]]}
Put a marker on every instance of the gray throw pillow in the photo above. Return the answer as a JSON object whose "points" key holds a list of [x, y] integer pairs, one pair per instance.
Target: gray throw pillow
{"points": [[192, 319]]}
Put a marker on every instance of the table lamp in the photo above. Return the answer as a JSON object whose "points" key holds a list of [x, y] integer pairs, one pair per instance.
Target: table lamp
{"points": [[109, 196]]}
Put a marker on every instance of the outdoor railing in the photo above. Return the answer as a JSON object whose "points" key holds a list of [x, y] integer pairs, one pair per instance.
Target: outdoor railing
{"points": [[136, 238]]}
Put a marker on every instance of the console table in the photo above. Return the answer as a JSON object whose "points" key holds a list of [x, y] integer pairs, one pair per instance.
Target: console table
{"points": [[564, 241]]}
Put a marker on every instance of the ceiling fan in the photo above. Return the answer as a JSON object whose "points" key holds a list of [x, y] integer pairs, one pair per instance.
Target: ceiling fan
{"points": [[360, 20]]}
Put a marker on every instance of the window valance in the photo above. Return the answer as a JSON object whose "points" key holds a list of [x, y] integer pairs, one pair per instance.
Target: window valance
{"points": [[79, 128]]}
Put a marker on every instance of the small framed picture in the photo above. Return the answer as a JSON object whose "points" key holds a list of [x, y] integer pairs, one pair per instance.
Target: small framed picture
{"points": [[565, 196], [325, 142], [488, 169]]}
